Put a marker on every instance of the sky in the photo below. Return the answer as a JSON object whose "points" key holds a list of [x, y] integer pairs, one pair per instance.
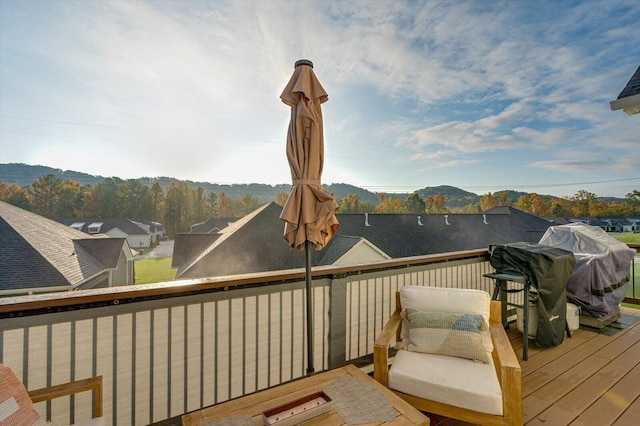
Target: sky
{"points": [[482, 95]]}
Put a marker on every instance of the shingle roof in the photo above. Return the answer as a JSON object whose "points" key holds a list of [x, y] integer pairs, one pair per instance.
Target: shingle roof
{"points": [[256, 243], [629, 98], [339, 245], [186, 246], [39, 252], [127, 226], [251, 244], [633, 86], [105, 250], [213, 225]]}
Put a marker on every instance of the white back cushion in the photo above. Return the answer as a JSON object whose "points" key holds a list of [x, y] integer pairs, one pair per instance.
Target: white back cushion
{"points": [[453, 300]]}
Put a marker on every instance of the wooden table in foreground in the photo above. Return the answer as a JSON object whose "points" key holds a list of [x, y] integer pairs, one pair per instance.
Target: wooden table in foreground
{"points": [[255, 404]]}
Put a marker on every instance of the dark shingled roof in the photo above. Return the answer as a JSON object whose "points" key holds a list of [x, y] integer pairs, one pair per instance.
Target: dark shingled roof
{"points": [[338, 246], [38, 252], [251, 244], [186, 246], [633, 86], [256, 244], [127, 226], [213, 225]]}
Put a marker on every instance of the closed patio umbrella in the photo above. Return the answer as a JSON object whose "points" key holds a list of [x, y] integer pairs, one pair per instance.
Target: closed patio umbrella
{"points": [[309, 212]]}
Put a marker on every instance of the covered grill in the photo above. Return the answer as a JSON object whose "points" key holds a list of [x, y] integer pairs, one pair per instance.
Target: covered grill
{"points": [[600, 280], [547, 269]]}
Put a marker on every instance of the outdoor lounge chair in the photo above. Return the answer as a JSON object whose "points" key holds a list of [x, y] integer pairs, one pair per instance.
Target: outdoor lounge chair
{"points": [[16, 404], [467, 371]]}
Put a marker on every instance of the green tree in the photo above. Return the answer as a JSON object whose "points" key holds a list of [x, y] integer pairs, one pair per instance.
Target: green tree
{"points": [[69, 199], [200, 206], [103, 200], [415, 204], [156, 195], [582, 201], [178, 208], [212, 204], [44, 195], [631, 203], [561, 207], [246, 205], [134, 199], [352, 204]]}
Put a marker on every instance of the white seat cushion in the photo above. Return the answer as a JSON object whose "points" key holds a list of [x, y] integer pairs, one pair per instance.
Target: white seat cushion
{"points": [[449, 380], [452, 300]]}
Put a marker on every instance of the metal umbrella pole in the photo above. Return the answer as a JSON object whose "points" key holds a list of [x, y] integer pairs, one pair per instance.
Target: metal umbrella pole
{"points": [[310, 305]]}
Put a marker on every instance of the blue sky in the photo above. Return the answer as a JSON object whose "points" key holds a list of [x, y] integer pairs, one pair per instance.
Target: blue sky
{"points": [[483, 95]]}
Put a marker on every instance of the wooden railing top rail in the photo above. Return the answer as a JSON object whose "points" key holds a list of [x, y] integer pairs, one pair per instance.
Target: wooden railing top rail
{"points": [[21, 305]]}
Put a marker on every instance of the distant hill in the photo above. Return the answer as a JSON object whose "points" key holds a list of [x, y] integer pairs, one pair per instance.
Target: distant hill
{"points": [[24, 174], [456, 197]]}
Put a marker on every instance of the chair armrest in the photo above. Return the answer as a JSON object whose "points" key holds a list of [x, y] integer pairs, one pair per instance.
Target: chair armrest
{"points": [[381, 348], [509, 373], [92, 384]]}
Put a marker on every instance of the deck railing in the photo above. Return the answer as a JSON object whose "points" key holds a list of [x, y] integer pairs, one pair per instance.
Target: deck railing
{"points": [[169, 348]]}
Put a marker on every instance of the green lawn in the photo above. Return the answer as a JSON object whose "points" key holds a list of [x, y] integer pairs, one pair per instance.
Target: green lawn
{"points": [[154, 270], [627, 238]]}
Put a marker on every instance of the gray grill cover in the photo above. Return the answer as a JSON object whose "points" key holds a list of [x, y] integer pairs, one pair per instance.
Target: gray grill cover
{"points": [[600, 279], [548, 269]]}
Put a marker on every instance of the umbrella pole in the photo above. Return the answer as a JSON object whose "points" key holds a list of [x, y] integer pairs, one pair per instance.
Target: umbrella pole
{"points": [[310, 305]]}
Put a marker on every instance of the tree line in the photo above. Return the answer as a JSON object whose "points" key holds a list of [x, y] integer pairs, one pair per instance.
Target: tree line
{"points": [[582, 204], [177, 207], [180, 205]]}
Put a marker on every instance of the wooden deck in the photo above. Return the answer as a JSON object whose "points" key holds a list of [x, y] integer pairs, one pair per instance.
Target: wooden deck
{"points": [[592, 378]]}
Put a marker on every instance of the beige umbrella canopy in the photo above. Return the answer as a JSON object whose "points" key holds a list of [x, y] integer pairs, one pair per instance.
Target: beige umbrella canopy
{"points": [[309, 212]]}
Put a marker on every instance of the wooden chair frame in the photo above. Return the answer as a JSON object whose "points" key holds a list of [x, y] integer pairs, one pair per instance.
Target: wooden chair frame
{"points": [[506, 363], [91, 384]]}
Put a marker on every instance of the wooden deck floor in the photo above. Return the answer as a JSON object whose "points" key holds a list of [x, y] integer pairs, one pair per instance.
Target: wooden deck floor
{"points": [[592, 378]]}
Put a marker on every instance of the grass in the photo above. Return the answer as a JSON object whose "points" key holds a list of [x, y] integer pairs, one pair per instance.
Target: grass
{"points": [[627, 238], [154, 270]]}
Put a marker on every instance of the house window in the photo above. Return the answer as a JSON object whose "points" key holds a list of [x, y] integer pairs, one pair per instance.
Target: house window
{"points": [[77, 225], [94, 228]]}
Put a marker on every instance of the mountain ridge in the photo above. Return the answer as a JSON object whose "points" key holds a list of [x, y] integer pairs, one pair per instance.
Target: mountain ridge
{"points": [[24, 174]]}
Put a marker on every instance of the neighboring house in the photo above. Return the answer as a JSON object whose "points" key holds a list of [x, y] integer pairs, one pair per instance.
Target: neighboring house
{"points": [[619, 225], [213, 225], [629, 99], [156, 229], [138, 235], [608, 224], [41, 255], [592, 221], [255, 243]]}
